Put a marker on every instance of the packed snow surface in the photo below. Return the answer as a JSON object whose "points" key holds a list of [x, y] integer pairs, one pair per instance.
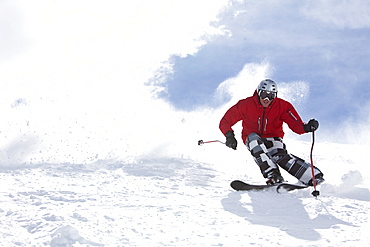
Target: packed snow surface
{"points": [[183, 202]]}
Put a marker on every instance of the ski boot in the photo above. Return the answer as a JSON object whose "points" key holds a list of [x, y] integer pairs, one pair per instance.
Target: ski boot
{"points": [[319, 179], [274, 177]]}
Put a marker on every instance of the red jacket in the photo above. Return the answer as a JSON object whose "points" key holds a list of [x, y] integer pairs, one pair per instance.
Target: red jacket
{"points": [[267, 122]]}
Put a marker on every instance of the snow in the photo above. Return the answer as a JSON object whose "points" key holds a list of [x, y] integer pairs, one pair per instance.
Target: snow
{"points": [[180, 202]]}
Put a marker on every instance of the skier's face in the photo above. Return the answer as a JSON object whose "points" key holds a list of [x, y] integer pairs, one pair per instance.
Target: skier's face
{"points": [[267, 94], [265, 102], [266, 97]]}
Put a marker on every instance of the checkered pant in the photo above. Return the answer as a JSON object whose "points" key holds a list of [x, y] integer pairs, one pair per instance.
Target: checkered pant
{"points": [[271, 153]]}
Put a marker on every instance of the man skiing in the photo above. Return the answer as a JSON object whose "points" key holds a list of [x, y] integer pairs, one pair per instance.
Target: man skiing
{"points": [[263, 115]]}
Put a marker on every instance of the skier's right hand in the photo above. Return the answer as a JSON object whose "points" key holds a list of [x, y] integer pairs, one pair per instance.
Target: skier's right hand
{"points": [[231, 142]]}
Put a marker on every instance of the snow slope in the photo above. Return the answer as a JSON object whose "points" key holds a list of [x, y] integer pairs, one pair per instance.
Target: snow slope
{"points": [[182, 202]]}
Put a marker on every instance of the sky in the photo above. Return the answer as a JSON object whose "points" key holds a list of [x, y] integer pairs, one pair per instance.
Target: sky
{"points": [[323, 43], [83, 80]]}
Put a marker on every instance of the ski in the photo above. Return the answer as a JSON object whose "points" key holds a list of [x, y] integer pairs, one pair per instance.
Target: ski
{"points": [[242, 186]]}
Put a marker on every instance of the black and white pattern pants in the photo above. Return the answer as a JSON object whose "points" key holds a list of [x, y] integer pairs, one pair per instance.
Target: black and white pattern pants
{"points": [[271, 153]]}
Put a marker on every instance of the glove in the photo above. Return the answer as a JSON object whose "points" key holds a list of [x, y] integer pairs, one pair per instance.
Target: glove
{"points": [[231, 142], [311, 126]]}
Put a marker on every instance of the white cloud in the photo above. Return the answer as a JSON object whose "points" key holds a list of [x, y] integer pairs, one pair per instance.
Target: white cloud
{"points": [[85, 72], [341, 14]]}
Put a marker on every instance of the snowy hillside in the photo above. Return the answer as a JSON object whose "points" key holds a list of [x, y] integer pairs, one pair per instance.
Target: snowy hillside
{"points": [[182, 202]]}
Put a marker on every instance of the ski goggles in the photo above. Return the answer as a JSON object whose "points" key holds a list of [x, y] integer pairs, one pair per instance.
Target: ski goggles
{"points": [[267, 94]]}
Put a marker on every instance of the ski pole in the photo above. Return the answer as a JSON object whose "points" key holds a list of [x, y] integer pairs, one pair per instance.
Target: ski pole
{"points": [[315, 193], [200, 142]]}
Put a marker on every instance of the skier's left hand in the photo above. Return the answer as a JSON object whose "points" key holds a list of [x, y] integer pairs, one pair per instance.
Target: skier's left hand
{"points": [[311, 126]]}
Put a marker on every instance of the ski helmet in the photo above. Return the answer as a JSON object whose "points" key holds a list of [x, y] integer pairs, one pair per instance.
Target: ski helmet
{"points": [[267, 89], [268, 85]]}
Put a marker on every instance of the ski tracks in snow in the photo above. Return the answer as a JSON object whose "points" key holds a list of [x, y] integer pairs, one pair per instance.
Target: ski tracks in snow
{"points": [[170, 202]]}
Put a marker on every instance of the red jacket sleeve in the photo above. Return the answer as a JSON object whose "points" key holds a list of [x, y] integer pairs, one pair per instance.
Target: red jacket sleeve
{"points": [[231, 117], [293, 120]]}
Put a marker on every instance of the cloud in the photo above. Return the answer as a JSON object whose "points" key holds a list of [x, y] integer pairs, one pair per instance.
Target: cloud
{"points": [[12, 41], [339, 14], [80, 90]]}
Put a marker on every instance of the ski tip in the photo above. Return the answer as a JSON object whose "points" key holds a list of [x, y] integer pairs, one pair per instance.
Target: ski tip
{"points": [[237, 184]]}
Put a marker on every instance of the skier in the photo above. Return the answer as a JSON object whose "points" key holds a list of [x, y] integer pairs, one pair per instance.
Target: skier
{"points": [[263, 115]]}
